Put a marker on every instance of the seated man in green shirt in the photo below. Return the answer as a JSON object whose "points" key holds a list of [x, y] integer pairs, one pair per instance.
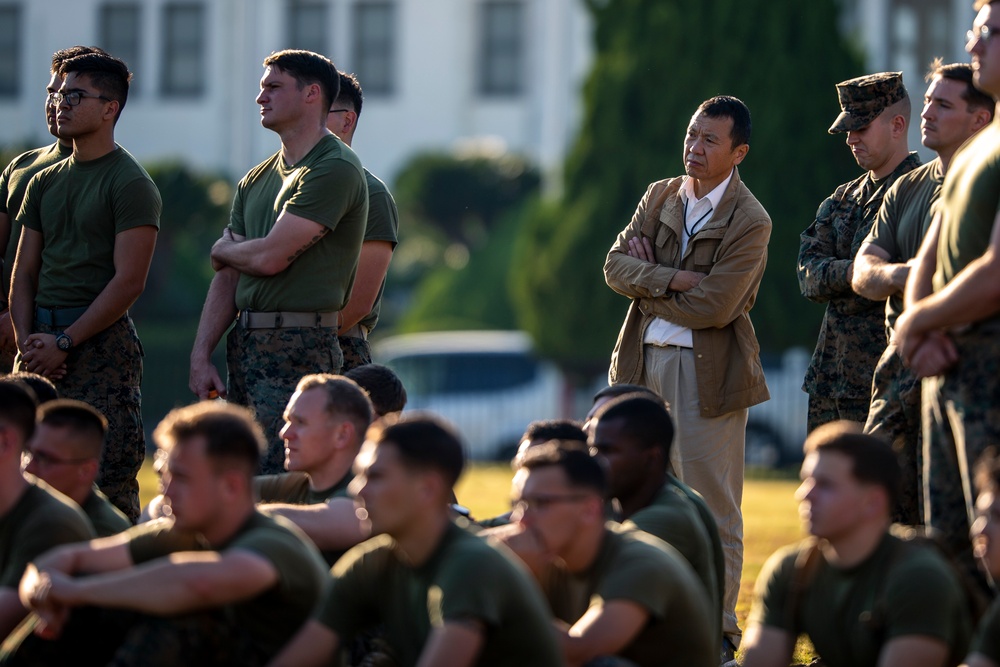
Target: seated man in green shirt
{"points": [[383, 386], [614, 592], [633, 434], [442, 596], [985, 650], [64, 453], [863, 596], [215, 582], [33, 519]]}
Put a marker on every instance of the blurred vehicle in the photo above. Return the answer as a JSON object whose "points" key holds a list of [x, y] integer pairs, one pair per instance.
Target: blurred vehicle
{"points": [[489, 384], [776, 428]]}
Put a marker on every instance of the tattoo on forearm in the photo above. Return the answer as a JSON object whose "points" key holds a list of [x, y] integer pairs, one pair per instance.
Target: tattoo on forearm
{"points": [[308, 245]]}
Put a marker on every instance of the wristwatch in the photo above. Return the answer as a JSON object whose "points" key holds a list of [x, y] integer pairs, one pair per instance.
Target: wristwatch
{"points": [[64, 342]]}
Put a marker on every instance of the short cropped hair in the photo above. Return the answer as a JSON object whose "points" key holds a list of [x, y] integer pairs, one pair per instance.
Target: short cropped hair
{"points": [[109, 75], [384, 387], [727, 106], [62, 55], [582, 470], [962, 72], [43, 387], [424, 442], [82, 419], [18, 406], [642, 418], [872, 459], [350, 93], [343, 397], [555, 429], [232, 437], [308, 68], [616, 390]]}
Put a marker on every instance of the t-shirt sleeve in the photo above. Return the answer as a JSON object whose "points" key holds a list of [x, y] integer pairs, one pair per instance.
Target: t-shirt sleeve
{"points": [[472, 586], [236, 222], [642, 579], [287, 554], [883, 232], [771, 592], [156, 539], [383, 218], [29, 215], [50, 530], [934, 608], [137, 203], [987, 639], [349, 603], [328, 191], [5, 187]]}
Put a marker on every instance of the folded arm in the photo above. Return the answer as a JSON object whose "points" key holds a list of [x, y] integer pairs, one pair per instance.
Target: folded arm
{"points": [[331, 525], [291, 236], [822, 274]]}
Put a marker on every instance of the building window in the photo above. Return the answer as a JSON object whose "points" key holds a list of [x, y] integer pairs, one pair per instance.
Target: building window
{"points": [[184, 72], [307, 26], [921, 30], [501, 56], [374, 46], [119, 35], [10, 51]]}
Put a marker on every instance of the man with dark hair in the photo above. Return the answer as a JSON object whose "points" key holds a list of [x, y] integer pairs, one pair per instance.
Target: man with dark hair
{"points": [[691, 261], [217, 582], [45, 390], [286, 263], [13, 182], [875, 115], [948, 332], [851, 587], [90, 225], [383, 386], [64, 453], [633, 434], [381, 235], [985, 649], [614, 593], [543, 430], [33, 518], [954, 110], [442, 595]]}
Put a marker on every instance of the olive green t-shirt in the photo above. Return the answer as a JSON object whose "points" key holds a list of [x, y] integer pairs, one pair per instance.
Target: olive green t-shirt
{"points": [[105, 517], [903, 220], [13, 182], [968, 205], [79, 208], [673, 518], [465, 578], [383, 225], [901, 589], [328, 187], [271, 618], [42, 519], [987, 639], [637, 567], [293, 488]]}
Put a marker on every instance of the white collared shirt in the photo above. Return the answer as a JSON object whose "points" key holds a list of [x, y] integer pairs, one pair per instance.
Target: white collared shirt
{"points": [[697, 213]]}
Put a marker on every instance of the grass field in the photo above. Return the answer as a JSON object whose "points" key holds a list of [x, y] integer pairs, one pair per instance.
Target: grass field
{"points": [[769, 513]]}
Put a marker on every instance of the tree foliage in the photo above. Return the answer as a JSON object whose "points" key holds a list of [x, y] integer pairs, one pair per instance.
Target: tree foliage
{"points": [[655, 61]]}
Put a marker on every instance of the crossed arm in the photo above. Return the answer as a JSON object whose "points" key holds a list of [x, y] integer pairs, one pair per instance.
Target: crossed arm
{"points": [[331, 525], [874, 276], [291, 236]]}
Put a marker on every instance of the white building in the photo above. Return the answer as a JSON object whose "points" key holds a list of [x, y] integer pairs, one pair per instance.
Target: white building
{"points": [[434, 72]]}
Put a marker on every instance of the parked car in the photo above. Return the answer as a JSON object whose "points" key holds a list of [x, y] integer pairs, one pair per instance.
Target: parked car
{"points": [[489, 384], [776, 428]]}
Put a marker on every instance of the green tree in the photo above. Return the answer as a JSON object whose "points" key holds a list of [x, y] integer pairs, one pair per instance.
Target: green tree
{"points": [[655, 61]]}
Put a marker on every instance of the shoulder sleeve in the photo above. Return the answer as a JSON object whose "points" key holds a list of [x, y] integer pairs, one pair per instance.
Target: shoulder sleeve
{"points": [[236, 222], [459, 598], [772, 590], [328, 191], [383, 218], [351, 600], [46, 529], [935, 608], [640, 575], [137, 203], [822, 275], [156, 539], [29, 215]]}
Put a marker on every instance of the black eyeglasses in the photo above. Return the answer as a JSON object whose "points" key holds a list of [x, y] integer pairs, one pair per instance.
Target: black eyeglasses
{"points": [[72, 99], [983, 34]]}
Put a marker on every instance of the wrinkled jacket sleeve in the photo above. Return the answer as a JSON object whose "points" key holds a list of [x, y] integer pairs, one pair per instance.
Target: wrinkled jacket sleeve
{"points": [[822, 275], [629, 276], [727, 291]]}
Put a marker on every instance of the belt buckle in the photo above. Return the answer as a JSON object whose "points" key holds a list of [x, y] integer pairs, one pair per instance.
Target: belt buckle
{"points": [[278, 319]]}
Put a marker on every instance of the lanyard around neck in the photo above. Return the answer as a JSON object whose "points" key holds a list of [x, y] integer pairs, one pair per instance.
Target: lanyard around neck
{"points": [[690, 232]]}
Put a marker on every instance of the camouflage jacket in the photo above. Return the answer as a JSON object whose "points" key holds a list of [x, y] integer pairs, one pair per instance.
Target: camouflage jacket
{"points": [[852, 336]]}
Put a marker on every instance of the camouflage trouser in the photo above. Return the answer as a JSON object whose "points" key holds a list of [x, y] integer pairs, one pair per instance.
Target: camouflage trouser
{"points": [[895, 417], [823, 410], [357, 352], [119, 638], [961, 418], [264, 367], [106, 372]]}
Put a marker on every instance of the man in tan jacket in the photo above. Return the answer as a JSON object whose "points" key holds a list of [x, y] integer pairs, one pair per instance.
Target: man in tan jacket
{"points": [[691, 261]]}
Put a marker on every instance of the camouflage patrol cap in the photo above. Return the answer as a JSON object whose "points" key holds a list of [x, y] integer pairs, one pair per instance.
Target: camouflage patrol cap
{"points": [[864, 98]]}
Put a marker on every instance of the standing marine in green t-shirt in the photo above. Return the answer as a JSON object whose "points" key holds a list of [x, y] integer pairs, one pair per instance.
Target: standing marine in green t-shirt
{"points": [[286, 263], [440, 595]]}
